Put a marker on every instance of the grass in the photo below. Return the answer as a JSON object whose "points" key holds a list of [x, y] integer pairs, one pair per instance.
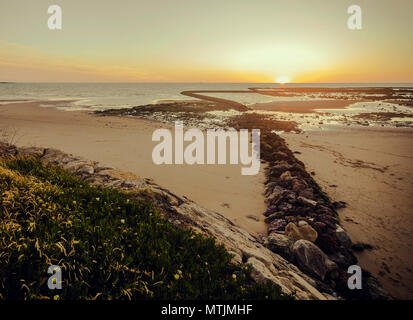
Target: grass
{"points": [[108, 245]]}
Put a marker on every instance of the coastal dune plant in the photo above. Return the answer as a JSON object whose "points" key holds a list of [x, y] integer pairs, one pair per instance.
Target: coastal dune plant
{"points": [[107, 245]]}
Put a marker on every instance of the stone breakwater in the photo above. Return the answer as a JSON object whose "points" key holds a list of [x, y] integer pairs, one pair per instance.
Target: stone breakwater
{"points": [[294, 255], [303, 224]]}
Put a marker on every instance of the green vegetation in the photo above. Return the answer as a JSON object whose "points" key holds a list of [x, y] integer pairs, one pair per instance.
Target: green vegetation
{"points": [[108, 245]]}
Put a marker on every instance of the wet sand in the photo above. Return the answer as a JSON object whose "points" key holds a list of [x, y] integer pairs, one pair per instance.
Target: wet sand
{"points": [[126, 143], [307, 106], [371, 170]]}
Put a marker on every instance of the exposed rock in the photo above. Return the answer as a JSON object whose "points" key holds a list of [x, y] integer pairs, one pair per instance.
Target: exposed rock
{"points": [[328, 220], [279, 168], [359, 246], [266, 265], [307, 193], [86, 169], [311, 259], [280, 244], [286, 176], [270, 210], [344, 259], [286, 207], [299, 185], [237, 259], [277, 225], [32, 151], [323, 210], [132, 184], [282, 155], [307, 202], [343, 237], [328, 241], [253, 217], [339, 204], [271, 217], [302, 223], [305, 232]]}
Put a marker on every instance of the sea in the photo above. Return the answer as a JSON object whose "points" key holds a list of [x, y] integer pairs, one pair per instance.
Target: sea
{"points": [[101, 96]]}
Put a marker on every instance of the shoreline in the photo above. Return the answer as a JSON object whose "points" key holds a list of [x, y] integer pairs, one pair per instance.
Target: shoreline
{"points": [[108, 139]]}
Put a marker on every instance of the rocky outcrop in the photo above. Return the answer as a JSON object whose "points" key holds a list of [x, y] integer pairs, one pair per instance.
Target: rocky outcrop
{"points": [[280, 244], [265, 264], [303, 222], [303, 231], [311, 259]]}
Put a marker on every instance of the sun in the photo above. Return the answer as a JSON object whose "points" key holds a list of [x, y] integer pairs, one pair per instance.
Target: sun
{"points": [[282, 79]]}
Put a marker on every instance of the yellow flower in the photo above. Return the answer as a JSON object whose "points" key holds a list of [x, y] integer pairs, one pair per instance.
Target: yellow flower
{"points": [[56, 297], [97, 199], [122, 220], [234, 276], [176, 276]]}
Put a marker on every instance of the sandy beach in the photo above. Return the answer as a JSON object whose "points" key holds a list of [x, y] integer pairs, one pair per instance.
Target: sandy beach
{"points": [[369, 169], [126, 143], [372, 171]]}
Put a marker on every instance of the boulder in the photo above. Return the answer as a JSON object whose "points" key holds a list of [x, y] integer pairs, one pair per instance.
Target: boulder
{"points": [[280, 244], [328, 241], [286, 176], [323, 210], [277, 225], [271, 217], [305, 232], [307, 202], [279, 168], [307, 193], [328, 220], [85, 169], [53, 155], [339, 204], [343, 259], [270, 210], [302, 223], [299, 185], [32, 151], [343, 237], [311, 259], [285, 206]]}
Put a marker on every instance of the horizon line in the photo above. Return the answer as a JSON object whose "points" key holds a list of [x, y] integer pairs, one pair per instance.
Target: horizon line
{"points": [[223, 82]]}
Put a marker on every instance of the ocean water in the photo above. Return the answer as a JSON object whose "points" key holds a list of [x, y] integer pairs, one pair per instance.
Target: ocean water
{"points": [[100, 96]]}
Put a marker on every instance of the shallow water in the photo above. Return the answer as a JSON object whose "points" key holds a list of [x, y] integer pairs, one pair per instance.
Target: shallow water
{"points": [[100, 96]]}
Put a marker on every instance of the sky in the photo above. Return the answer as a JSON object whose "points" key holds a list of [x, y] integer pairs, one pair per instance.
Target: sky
{"points": [[206, 41]]}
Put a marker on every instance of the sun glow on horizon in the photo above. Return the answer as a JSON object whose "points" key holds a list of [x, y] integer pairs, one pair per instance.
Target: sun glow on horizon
{"points": [[282, 80]]}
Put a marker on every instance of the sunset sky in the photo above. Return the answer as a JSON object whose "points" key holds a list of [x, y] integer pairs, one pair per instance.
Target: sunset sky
{"points": [[206, 41]]}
